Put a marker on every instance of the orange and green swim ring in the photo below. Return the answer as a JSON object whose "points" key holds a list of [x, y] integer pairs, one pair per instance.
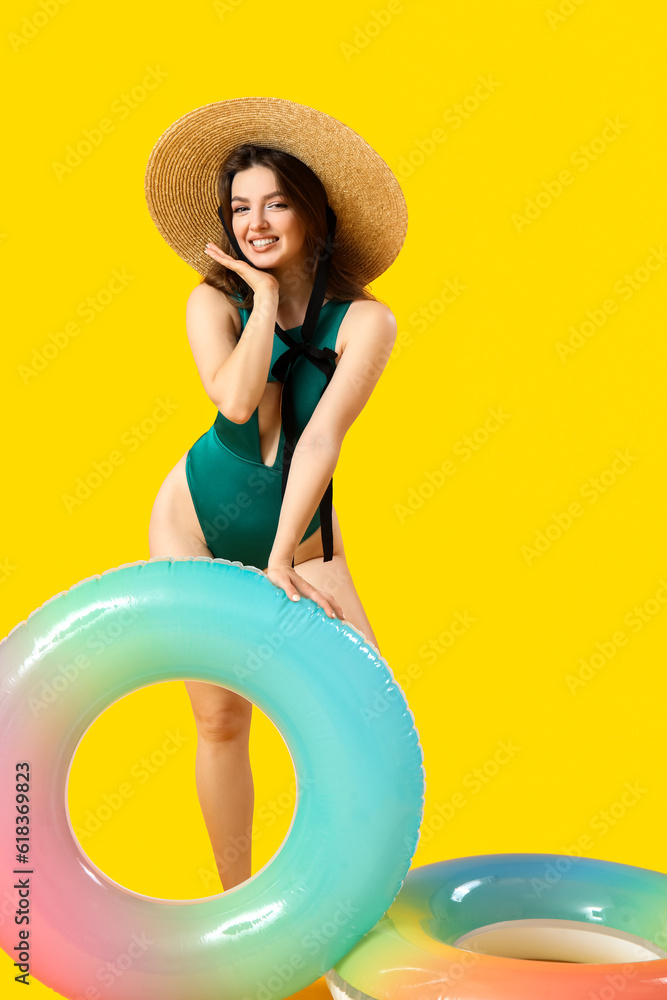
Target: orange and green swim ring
{"points": [[515, 927]]}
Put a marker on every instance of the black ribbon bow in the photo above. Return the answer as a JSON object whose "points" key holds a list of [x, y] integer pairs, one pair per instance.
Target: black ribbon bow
{"points": [[283, 368]]}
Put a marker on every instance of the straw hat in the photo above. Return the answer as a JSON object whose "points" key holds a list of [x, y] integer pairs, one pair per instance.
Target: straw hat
{"points": [[180, 181]]}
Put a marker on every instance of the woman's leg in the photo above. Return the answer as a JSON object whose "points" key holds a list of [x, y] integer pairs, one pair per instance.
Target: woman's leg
{"points": [[223, 776], [333, 577]]}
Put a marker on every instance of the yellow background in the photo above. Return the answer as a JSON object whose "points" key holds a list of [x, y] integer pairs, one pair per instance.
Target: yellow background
{"points": [[557, 80]]}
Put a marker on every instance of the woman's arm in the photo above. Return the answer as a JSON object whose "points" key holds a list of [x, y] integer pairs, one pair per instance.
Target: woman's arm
{"points": [[371, 339], [232, 372], [240, 380], [311, 468]]}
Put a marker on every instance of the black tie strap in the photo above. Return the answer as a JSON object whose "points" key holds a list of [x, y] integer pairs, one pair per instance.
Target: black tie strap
{"points": [[282, 370], [320, 356]]}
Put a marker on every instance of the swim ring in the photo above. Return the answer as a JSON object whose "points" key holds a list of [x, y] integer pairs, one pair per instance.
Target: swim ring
{"points": [[515, 927], [360, 784]]}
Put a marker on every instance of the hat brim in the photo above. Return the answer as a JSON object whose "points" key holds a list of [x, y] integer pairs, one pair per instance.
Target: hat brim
{"points": [[180, 180]]}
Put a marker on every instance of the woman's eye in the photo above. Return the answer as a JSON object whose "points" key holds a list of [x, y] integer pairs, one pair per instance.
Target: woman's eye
{"points": [[279, 204]]}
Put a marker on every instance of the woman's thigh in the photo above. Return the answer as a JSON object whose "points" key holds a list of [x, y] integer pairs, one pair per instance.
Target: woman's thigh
{"points": [[220, 714], [174, 528], [174, 531], [334, 578]]}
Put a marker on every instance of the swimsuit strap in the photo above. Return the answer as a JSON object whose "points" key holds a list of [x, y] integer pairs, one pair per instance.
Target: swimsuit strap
{"points": [[322, 358]]}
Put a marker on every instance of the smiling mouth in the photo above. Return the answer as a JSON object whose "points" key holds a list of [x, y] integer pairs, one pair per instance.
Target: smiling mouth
{"points": [[262, 244]]}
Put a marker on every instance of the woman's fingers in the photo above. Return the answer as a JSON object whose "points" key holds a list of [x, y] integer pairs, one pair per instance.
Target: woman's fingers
{"points": [[326, 601], [283, 581], [295, 587], [224, 258], [334, 605], [253, 276], [214, 251]]}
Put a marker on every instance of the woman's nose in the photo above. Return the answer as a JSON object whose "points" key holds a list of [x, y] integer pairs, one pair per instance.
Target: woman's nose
{"points": [[256, 220]]}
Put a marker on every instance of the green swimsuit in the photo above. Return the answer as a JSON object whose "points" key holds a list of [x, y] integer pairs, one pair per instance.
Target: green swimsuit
{"points": [[236, 496]]}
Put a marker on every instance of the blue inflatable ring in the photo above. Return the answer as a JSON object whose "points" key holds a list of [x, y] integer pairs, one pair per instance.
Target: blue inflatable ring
{"points": [[356, 756]]}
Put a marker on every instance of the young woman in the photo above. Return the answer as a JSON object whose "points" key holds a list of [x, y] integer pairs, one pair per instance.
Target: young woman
{"points": [[270, 330]]}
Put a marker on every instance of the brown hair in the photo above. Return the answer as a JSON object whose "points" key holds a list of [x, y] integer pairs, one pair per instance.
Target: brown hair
{"points": [[307, 198]]}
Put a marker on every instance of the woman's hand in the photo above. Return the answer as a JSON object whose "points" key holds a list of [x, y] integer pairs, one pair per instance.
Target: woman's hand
{"points": [[260, 281], [288, 579]]}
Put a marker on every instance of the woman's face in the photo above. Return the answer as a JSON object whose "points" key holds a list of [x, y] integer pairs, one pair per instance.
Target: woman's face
{"points": [[260, 211]]}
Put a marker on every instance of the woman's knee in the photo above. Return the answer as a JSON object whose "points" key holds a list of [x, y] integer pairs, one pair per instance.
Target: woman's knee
{"points": [[220, 715]]}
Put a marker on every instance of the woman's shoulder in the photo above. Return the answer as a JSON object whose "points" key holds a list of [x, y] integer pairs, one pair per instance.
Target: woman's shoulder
{"points": [[210, 299], [205, 292], [373, 310], [368, 316], [367, 305]]}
